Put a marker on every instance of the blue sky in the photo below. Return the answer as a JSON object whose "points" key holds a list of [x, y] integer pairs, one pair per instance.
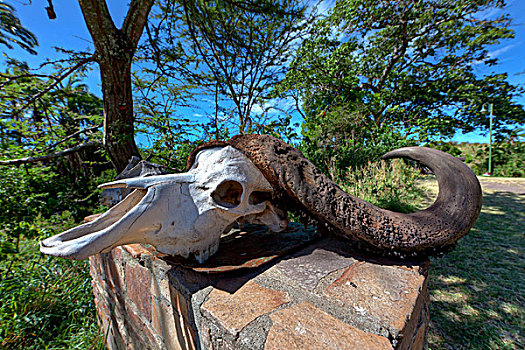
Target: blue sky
{"points": [[69, 31]]}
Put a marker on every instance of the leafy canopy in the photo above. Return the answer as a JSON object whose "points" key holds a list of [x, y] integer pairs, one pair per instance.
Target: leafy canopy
{"points": [[405, 62], [376, 70], [12, 31]]}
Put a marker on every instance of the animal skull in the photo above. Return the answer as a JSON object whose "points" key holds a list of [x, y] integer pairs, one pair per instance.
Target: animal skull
{"points": [[178, 213]]}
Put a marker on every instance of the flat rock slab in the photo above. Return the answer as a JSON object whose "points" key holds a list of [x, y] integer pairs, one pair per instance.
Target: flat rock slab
{"points": [[303, 326], [249, 302], [319, 294]]}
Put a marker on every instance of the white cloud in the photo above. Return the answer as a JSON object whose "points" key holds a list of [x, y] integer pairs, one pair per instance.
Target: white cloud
{"points": [[496, 53]]}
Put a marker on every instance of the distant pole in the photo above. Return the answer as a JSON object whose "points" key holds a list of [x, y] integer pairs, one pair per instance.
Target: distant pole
{"points": [[490, 110]]}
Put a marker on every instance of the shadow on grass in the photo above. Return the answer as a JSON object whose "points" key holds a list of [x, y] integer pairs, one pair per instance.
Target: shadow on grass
{"points": [[478, 290]]}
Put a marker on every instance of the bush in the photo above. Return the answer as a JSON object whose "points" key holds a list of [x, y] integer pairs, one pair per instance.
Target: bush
{"points": [[336, 158], [508, 159], [27, 193], [45, 302]]}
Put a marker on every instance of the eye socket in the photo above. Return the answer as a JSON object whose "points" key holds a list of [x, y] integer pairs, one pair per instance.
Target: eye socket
{"points": [[257, 197], [228, 194]]}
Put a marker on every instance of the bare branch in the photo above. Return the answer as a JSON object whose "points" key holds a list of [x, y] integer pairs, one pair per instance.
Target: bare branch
{"points": [[55, 83], [52, 155], [72, 135]]}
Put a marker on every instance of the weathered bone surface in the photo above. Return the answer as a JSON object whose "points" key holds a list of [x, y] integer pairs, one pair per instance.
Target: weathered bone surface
{"points": [[178, 213], [299, 186]]}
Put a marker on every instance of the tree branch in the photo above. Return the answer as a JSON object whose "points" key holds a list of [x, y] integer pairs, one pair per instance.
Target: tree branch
{"points": [[136, 19], [55, 83], [99, 22], [71, 136], [52, 155]]}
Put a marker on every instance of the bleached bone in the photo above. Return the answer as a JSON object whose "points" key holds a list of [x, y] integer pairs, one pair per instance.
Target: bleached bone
{"points": [[274, 218], [178, 213]]}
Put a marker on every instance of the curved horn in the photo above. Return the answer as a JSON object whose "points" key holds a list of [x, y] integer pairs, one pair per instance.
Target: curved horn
{"points": [[301, 186]]}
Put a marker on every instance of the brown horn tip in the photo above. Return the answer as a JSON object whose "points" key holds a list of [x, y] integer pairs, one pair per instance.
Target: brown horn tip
{"points": [[459, 201]]}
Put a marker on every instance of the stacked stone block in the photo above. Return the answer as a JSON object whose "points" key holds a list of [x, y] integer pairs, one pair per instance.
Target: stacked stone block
{"points": [[323, 296]]}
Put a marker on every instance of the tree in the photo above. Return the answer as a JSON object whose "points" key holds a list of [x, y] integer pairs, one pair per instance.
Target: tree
{"points": [[114, 50], [227, 54], [12, 31], [50, 152], [400, 68]]}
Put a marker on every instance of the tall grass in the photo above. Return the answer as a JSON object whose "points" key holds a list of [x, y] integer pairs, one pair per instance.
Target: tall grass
{"points": [[388, 184], [46, 302]]}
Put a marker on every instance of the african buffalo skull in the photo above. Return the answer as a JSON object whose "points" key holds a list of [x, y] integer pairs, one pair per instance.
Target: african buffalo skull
{"points": [[253, 178], [178, 213]]}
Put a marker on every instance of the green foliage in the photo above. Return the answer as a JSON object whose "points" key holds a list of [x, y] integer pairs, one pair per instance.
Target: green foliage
{"points": [[334, 153], [408, 65], [447, 147], [37, 193], [39, 120], [58, 119], [508, 159], [12, 31], [220, 58], [46, 302], [508, 155]]}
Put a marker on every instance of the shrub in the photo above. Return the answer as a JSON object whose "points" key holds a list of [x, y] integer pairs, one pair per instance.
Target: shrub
{"points": [[508, 159]]}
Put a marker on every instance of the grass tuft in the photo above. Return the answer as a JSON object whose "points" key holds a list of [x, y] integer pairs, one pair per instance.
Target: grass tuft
{"points": [[388, 184]]}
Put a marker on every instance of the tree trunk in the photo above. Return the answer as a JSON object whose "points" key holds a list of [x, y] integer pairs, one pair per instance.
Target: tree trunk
{"points": [[119, 120], [114, 50]]}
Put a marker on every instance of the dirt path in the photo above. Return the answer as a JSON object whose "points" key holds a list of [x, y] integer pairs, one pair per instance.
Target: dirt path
{"points": [[513, 185]]}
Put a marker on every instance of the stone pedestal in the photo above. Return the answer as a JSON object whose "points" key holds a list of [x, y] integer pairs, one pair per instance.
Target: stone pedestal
{"points": [[321, 295]]}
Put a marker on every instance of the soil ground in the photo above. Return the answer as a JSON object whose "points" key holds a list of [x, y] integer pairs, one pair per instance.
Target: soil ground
{"points": [[503, 184]]}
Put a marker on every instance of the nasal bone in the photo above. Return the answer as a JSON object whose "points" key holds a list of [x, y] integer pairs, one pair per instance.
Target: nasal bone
{"points": [[146, 182]]}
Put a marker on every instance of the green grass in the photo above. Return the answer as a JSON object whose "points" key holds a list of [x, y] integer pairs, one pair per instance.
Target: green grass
{"points": [[390, 185], [478, 290], [46, 302]]}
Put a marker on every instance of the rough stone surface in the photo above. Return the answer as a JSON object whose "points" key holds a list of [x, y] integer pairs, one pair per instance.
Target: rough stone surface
{"points": [[138, 286], [387, 293], [322, 296], [308, 270], [304, 326], [235, 311]]}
